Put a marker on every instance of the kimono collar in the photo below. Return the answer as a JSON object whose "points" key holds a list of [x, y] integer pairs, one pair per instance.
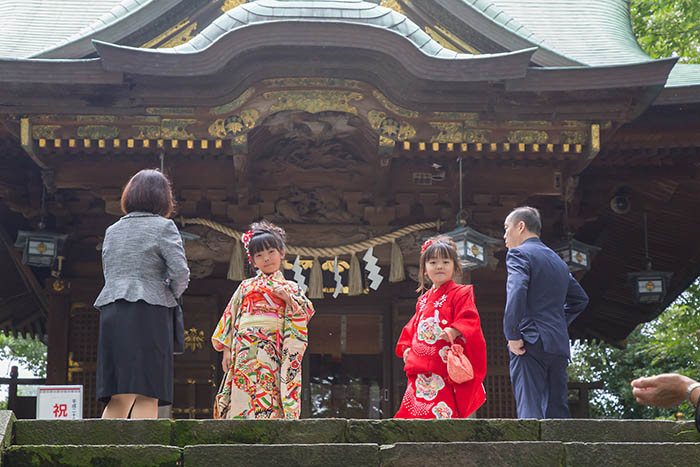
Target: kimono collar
{"points": [[444, 288], [276, 276]]}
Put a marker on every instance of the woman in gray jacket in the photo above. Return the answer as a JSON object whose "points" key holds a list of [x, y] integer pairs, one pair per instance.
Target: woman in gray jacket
{"points": [[145, 271]]}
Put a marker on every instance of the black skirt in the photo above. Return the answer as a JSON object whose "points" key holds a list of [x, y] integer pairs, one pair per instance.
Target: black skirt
{"points": [[135, 352]]}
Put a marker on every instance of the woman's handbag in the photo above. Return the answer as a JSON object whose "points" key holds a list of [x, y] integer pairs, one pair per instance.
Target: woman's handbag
{"points": [[459, 368], [178, 329]]}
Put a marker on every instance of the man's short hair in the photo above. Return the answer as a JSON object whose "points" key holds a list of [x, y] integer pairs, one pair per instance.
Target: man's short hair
{"points": [[530, 216]]}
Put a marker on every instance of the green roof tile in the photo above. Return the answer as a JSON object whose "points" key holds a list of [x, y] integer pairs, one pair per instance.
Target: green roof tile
{"points": [[592, 32]]}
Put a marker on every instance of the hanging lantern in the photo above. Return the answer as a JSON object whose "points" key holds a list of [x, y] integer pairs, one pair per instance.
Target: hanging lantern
{"points": [[577, 255], [40, 248], [649, 286], [471, 246]]}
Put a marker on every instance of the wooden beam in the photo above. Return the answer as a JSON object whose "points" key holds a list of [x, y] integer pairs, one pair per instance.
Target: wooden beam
{"points": [[58, 330], [24, 271], [28, 143]]}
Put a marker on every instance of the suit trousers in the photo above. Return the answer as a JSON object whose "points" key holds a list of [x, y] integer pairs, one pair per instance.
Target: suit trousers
{"points": [[540, 383]]}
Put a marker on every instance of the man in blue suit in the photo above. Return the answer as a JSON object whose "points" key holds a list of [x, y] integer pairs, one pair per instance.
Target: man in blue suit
{"points": [[542, 299]]}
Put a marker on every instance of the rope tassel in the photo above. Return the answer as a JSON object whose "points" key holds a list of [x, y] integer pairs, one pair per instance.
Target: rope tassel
{"points": [[316, 280], [397, 273], [355, 281], [235, 266]]}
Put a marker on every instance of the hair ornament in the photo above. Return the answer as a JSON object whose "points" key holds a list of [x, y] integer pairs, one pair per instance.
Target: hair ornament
{"points": [[426, 244], [245, 238]]}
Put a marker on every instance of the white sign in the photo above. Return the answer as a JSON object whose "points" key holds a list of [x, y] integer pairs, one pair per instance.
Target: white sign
{"points": [[59, 402]]}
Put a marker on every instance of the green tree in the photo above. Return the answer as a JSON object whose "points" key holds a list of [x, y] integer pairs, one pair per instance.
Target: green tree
{"points": [[671, 343], [668, 28], [30, 353]]}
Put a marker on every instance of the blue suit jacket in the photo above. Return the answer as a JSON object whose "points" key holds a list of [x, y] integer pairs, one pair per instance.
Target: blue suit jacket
{"points": [[542, 297]]}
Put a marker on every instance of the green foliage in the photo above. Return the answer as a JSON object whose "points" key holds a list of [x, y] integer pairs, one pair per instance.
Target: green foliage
{"points": [[668, 28], [670, 344], [30, 353]]}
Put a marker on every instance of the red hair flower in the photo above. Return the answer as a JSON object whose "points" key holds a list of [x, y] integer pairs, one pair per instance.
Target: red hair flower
{"points": [[426, 244]]}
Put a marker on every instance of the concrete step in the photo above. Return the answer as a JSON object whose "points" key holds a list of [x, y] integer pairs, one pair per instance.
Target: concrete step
{"points": [[329, 431], [504, 453]]}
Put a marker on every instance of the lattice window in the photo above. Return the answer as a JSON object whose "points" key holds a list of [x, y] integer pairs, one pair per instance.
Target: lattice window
{"points": [[82, 363], [499, 395], [499, 398]]}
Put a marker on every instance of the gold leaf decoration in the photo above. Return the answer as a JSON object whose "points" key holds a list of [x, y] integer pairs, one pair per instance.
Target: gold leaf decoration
{"points": [[527, 137], [229, 4], [312, 82], [402, 112], [234, 125], [176, 128], [98, 132], [234, 104], [448, 132], [314, 101], [194, 339], [477, 136], [44, 131]]}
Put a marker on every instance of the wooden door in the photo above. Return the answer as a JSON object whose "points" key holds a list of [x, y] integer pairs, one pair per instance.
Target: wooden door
{"points": [[197, 372]]}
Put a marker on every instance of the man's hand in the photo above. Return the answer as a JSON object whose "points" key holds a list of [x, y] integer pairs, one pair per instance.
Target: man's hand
{"points": [[449, 332], [517, 347], [226, 360], [405, 354], [666, 391]]}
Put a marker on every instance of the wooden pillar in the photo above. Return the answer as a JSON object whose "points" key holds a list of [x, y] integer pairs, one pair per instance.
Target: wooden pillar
{"points": [[58, 330]]}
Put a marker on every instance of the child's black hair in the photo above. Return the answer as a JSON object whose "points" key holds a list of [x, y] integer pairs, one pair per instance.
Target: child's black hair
{"points": [[441, 247], [266, 235]]}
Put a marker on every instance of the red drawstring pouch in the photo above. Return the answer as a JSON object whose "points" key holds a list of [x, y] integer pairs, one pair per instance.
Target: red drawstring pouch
{"points": [[459, 368]]}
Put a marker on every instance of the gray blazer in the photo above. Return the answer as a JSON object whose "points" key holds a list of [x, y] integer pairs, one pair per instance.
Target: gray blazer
{"points": [[139, 253]]}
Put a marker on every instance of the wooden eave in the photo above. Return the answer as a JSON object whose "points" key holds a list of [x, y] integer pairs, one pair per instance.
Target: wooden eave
{"points": [[678, 95], [56, 72], [645, 74], [307, 34]]}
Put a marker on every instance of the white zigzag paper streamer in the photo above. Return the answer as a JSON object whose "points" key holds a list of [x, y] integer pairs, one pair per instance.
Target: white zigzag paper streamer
{"points": [[338, 279], [374, 277], [299, 276]]}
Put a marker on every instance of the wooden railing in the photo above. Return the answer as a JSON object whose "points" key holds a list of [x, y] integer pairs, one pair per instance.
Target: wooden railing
{"points": [[22, 406]]}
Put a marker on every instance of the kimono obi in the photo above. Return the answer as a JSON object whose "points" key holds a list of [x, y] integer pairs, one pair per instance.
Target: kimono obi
{"points": [[267, 321]]}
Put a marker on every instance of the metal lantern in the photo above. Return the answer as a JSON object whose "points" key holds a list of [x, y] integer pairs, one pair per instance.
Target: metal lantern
{"points": [[650, 286], [471, 246], [40, 248], [577, 255]]}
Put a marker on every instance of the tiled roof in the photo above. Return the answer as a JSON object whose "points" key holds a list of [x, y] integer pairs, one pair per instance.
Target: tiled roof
{"points": [[684, 74], [347, 11], [29, 26], [592, 32], [126, 17]]}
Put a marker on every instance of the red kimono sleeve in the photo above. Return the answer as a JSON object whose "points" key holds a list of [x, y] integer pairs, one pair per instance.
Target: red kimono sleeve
{"points": [[466, 320], [406, 337]]}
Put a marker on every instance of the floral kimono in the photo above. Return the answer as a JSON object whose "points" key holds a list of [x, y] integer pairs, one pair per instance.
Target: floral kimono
{"points": [[430, 393], [267, 339]]}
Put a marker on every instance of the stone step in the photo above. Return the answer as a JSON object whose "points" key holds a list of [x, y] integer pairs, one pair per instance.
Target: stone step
{"points": [[81, 455], [329, 431], [503, 453]]}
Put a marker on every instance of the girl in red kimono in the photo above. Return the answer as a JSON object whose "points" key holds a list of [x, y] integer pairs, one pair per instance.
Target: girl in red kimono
{"points": [[445, 308]]}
